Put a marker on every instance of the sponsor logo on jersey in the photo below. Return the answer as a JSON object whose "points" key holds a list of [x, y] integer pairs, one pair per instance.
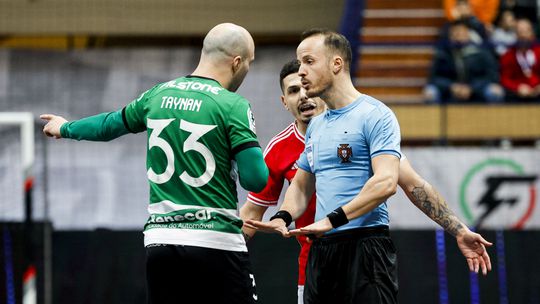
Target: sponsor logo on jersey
{"points": [[192, 85], [344, 151], [200, 215], [188, 220]]}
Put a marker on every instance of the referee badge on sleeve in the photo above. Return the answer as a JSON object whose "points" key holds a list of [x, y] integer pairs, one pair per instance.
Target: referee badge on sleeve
{"points": [[344, 151], [309, 155]]}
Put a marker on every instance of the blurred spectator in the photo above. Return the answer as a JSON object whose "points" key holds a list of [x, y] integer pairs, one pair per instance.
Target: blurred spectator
{"points": [[484, 10], [521, 8], [463, 71], [504, 35], [462, 11], [520, 66]]}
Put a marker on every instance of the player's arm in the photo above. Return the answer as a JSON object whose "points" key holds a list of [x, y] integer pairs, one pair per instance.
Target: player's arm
{"points": [[251, 211], [294, 204], [258, 202], [101, 127], [426, 198], [252, 170]]}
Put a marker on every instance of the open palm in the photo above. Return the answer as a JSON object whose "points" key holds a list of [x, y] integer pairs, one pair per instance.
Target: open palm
{"points": [[473, 248]]}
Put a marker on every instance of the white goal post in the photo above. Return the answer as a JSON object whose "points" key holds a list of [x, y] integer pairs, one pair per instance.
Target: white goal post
{"points": [[25, 120]]}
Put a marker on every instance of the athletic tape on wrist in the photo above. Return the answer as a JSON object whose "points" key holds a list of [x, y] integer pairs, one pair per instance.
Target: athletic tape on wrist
{"points": [[284, 215], [337, 217]]}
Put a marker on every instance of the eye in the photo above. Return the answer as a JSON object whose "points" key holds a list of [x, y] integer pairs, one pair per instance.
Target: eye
{"points": [[293, 90]]}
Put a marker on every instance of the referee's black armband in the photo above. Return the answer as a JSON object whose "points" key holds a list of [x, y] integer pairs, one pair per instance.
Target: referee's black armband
{"points": [[284, 215], [337, 217]]}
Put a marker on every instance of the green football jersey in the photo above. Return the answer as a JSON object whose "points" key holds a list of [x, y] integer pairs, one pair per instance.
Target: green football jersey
{"points": [[194, 127]]}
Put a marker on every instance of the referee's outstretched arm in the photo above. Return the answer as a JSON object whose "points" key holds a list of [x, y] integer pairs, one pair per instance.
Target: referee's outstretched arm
{"points": [[426, 198]]}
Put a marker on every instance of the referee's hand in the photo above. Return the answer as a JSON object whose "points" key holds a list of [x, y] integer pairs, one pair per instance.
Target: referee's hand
{"points": [[473, 247], [316, 229]]}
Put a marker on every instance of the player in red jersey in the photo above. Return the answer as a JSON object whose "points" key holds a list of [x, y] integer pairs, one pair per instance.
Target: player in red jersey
{"points": [[280, 156], [284, 149]]}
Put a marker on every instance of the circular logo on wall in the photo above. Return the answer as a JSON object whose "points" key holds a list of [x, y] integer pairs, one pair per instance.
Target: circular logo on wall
{"points": [[498, 192]]}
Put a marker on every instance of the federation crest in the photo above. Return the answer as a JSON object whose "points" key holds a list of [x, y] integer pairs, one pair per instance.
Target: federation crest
{"points": [[344, 151]]}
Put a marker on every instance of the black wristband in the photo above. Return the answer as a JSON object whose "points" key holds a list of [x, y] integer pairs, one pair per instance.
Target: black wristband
{"points": [[337, 217], [284, 215]]}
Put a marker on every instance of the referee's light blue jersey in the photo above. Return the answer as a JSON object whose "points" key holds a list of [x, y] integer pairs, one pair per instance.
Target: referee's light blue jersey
{"points": [[339, 147]]}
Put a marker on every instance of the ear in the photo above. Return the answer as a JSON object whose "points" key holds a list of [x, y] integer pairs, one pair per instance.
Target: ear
{"points": [[237, 60], [284, 103], [337, 64]]}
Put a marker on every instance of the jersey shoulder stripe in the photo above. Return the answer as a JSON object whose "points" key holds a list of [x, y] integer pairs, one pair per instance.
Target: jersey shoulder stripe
{"points": [[275, 142], [280, 137], [284, 131]]}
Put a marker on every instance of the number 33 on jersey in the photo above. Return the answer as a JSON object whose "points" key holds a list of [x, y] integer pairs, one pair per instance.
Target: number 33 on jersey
{"points": [[194, 127]]}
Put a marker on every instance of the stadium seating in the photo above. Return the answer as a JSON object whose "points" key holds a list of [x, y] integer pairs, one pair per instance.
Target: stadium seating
{"points": [[397, 40]]}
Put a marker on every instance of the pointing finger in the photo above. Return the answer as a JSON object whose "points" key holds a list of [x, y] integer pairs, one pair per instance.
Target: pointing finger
{"points": [[46, 116]]}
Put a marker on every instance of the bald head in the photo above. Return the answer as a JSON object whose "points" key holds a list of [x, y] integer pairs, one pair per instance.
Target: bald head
{"points": [[228, 40], [228, 50]]}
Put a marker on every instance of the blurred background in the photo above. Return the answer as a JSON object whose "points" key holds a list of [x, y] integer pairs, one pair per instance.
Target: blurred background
{"points": [[463, 78]]}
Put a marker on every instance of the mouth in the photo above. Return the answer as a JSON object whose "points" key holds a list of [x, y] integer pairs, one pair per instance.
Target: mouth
{"points": [[305, 83], [306, 107]]}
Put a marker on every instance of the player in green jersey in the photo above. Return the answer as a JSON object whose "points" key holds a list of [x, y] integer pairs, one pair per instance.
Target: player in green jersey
{"points": [[201, 135]]}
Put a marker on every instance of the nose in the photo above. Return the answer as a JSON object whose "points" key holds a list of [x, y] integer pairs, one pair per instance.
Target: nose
{"points": [[302, 71], [303, 96]]}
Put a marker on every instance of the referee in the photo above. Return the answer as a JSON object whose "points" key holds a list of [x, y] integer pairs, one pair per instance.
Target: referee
{"points": [[351, 157]]}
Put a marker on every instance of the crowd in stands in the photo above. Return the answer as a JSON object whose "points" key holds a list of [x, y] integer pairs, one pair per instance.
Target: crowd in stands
{"points": [[487, 51]]}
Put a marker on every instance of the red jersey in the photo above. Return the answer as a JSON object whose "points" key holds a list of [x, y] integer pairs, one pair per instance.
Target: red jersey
{"points": [[280, 156]]}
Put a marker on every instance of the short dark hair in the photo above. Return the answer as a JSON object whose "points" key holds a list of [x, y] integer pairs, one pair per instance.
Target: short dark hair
{"points": [[334, 41], [288, 68]]}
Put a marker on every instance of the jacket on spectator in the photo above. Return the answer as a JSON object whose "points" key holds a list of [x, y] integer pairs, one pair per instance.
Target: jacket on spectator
{"points": [[520, 68], [470, 64]]}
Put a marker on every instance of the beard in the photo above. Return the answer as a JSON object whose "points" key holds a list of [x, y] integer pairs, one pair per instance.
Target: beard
{"points": [[319, 91], [321, 87]]}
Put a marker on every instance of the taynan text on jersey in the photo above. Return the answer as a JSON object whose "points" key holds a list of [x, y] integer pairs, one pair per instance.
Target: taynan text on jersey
{"points": [[179, 103]]}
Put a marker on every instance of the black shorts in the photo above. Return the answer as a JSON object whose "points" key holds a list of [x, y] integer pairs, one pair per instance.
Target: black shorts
{"points": [[353, 266], [188, 274]]}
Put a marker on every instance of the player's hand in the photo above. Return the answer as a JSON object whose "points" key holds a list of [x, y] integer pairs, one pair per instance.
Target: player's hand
{"points": [[317, 229], [276, 225], [54, 123], [473, 248]]}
